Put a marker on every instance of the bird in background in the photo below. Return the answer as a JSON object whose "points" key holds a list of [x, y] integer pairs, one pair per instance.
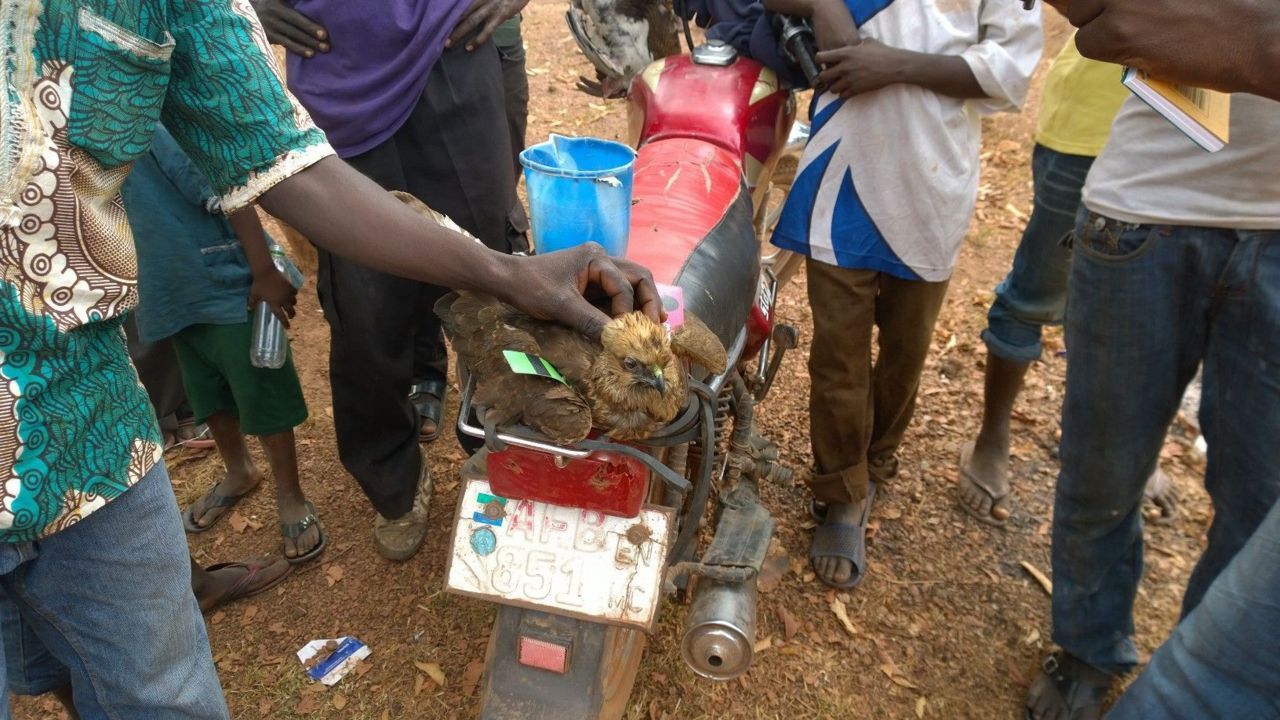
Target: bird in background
{"points": [[621, 38]]}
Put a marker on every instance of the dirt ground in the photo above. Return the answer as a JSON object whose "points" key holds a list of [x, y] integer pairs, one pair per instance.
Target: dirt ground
{"points": [[948, 624]]}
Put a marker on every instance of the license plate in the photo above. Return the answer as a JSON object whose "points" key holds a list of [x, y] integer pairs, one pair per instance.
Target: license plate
{"points": [[563, 560]]}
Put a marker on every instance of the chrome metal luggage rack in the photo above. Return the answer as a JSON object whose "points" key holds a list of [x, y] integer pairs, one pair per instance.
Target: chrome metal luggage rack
{"points": [[696, 422]]}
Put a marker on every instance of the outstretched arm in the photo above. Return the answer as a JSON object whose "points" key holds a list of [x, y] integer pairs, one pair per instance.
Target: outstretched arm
{"points": [[1229, 45], [348, 214]]}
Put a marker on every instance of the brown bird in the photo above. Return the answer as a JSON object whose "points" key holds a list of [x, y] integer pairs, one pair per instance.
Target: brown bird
{"points": [[628, 383]]}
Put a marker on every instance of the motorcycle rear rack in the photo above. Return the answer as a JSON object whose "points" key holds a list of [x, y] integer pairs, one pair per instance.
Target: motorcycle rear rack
{"points": [[696, 421]]}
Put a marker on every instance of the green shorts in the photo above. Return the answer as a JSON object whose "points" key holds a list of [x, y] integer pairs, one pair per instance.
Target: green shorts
{"points": [[218, 376]]}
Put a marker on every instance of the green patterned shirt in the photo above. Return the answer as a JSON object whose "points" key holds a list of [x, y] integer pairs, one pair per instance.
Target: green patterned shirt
{"points": [[85, 82]]}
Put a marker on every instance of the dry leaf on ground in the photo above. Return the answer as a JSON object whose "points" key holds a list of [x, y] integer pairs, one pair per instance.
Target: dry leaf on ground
{"points": [[790, 625], [432, 670], [333, 574], [842, 614], [772, 572], [471, 677], [1040, 577]]}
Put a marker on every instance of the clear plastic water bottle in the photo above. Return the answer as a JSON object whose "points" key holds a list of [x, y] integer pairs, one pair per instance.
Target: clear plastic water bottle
{"points": [[270, 343]]}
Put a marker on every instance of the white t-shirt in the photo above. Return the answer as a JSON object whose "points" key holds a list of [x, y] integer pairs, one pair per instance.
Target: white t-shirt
{"points": [[1152, 174], [888, 179]]}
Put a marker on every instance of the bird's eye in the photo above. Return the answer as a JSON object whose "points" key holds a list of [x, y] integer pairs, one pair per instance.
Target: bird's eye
{"points": [[630, 364]]}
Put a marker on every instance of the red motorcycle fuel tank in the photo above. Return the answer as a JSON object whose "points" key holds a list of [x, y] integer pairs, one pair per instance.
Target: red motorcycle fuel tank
{"points": [[740, 108]]}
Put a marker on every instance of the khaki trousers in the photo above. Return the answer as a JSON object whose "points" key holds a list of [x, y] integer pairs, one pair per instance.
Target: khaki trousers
{"points": [[858, 412]]}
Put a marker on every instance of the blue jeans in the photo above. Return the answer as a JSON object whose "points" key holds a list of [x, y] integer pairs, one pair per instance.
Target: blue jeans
{"points": [[1148, 304], [1034, 293], [106, 605], [1221, 661]]}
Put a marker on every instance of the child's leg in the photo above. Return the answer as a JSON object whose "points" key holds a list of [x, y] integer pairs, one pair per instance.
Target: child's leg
{"points": [[211, 399], [271, 405], [290, 500], [840, 410], [906, 313]]}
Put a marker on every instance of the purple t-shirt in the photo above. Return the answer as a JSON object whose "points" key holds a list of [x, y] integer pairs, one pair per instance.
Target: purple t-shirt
{"points": [[363, 89]]}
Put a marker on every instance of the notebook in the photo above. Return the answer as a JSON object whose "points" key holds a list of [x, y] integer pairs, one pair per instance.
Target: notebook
{"points": [[1203, 115]]}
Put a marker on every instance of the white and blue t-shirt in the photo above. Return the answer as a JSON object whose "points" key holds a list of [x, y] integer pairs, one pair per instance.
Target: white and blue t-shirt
{"points": [[888, 179]]}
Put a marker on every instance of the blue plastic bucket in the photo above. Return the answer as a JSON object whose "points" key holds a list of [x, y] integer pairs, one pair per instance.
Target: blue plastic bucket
{"points": [[579, 191]]}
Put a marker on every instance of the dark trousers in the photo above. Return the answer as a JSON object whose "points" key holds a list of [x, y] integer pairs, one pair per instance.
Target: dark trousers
{"points": [[859, 412], [454, 154], [158, 368], [430, 356]]}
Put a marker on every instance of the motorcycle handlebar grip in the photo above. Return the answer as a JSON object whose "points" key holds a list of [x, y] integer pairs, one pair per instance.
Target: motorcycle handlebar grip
{"points": [[797, 40], [806, 57]]}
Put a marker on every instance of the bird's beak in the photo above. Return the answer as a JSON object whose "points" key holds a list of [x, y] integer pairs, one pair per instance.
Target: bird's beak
{"points": [[656, 379]]}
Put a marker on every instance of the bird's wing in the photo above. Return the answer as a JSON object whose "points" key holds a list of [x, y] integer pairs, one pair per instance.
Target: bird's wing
{"points": [[481, 328], [695, 342], [568, 350]]}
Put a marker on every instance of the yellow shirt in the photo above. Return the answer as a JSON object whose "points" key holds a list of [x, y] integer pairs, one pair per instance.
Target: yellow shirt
{"points": [[1081, 98]]}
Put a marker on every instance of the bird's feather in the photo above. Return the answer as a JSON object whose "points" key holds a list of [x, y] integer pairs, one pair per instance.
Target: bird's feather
{"points": [[695, 342]]}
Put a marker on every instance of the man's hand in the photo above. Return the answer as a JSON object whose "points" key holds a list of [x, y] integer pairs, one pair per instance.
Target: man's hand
{"points": [[1228, 45], [486, 15], [272, 287], [558, 286], [285, 26], [860, 68]]}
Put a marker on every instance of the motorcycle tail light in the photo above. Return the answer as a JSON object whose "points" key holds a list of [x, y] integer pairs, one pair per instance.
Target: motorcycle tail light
{"points": [[543, 655]]}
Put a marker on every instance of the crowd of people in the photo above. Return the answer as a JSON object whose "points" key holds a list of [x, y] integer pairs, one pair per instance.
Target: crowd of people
{"points": [[1161, 259]]}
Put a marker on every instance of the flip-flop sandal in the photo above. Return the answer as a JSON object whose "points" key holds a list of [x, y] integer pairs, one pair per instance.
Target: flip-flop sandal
{"points": [[221, 503], [1067, 688], [844, 540], [194, 435], [293, 531], [428, 399], [261, 574], [966, 453]]}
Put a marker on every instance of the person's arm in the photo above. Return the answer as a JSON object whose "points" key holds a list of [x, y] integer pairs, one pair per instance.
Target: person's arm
{"points": [[269, 284], [348, 214], [1228, 45], [228, 108], [871, 65]]}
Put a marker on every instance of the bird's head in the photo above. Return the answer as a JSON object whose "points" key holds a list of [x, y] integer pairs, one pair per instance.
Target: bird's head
{"points": [[637, 355]]}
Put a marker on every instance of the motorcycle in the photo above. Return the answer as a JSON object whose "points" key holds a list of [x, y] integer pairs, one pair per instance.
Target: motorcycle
{"points": [[579, 545]]}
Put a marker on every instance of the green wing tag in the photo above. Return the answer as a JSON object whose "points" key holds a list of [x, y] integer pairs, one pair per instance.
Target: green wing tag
{"points": [[523, 363]]}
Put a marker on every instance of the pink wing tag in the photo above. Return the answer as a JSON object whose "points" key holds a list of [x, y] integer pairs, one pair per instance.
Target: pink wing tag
{"points": [[673, 303]]}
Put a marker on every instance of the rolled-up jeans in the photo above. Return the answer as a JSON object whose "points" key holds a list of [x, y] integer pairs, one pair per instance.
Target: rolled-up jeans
{"points": [[1148, 304], [106, 606], [1034, 293], [1222, 660]]}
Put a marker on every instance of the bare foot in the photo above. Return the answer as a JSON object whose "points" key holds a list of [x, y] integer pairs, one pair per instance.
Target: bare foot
{"points": [[1161, 494], [984, 483]]}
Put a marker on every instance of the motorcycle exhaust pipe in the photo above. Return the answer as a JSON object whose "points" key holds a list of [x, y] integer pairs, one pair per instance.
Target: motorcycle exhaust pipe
{"points": [[720, 633]]}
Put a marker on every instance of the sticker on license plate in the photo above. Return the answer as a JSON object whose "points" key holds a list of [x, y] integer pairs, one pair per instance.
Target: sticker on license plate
{"points": [[563, 560]]}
